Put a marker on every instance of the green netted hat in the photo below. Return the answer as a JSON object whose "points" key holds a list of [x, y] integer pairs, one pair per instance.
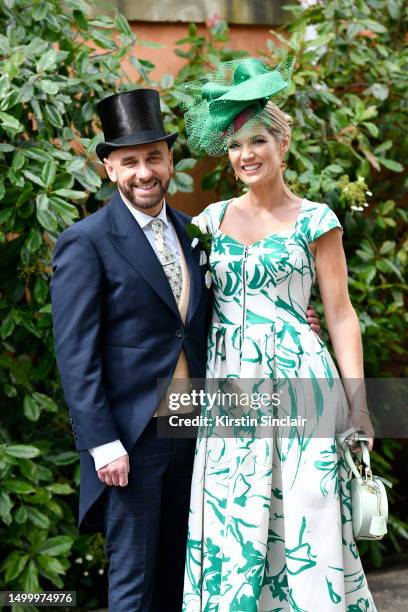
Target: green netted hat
{"points": [[231, 98]]}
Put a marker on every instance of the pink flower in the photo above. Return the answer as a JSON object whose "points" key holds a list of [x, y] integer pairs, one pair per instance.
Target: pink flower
{"points": [[213, 20]]}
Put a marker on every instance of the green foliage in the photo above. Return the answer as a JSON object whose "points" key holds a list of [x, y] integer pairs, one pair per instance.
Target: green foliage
{"points": [[348, 101], [56, 63], [30, 510]]}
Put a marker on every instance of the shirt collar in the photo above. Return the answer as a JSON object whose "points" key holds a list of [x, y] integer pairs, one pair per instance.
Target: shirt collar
{"points": [[142, 218]]}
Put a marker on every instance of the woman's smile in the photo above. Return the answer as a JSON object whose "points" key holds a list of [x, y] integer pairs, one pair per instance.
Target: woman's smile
{"points": [[251, 168]]}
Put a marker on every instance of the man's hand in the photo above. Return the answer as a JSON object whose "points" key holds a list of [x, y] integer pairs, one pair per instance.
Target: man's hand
{"points": [[313, 320], [116, 472]]}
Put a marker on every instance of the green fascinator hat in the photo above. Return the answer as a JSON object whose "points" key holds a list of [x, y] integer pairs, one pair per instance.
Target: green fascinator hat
{"points": [[230, 98]]}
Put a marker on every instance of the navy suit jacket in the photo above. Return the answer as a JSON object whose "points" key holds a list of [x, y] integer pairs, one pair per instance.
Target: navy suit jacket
{"points": [[117, 330]]}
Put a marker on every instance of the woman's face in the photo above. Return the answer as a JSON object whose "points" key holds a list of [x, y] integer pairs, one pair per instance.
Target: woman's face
{"points": [[256, 158]]}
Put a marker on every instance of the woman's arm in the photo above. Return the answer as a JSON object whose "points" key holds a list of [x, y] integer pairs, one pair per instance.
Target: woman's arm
{"points": [[342, 324]]}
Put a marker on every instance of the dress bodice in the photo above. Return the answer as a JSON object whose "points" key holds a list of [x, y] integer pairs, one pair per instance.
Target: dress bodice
{"points": [[263, 289]]}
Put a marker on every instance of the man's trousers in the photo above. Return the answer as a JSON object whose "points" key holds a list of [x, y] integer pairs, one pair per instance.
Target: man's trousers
{"points": [[146, 526]]}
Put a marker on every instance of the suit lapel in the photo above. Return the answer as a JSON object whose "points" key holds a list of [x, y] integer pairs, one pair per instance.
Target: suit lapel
{"points": [[132, 244], [192, 259]]}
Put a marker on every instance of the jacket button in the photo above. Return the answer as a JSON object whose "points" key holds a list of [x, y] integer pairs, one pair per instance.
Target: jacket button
{"points": [[178, 333]]}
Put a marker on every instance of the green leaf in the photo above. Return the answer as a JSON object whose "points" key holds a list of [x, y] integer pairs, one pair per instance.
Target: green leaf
{"points": [[22, 450], [150, 44], [39, 519], [55, 508], [30, 582], [27, 92], [15, 370], [20, 515], [384, 146], [71, 194], [187, 163], [49, 87], [54, 116], [34, 240], [5, 507], [60, 489], [8, 325], [123, 26], [51, 567], [375, 26], [6, 148], [372, 128], [101, 40], [391, 164], [14, 564], [38, 154], [6, 214], [47, 61], [40, 290], [334, 169], [54, 547], [64, 458], [18, 160], [184, 181], [387, 246], [167, 81], [47, 220], [11, 123], [33, 178], [49, 172], [31, 409], [45, 402], [80, 19], [4, 85], [18, 486], [39, 12], [394, 9]]}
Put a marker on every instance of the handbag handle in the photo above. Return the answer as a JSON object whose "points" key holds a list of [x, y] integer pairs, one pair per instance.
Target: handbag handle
{"points": [[365, 457], [365, 460]]}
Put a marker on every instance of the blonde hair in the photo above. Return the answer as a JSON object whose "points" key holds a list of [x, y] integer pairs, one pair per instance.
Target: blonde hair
{"points": [[279, 123]]}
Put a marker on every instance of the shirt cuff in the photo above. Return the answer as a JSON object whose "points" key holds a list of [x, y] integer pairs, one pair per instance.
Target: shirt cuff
{"points": [[106, 453]]}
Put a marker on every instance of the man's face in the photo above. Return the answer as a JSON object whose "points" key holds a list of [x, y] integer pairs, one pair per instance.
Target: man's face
{"points": [[142, 173]]}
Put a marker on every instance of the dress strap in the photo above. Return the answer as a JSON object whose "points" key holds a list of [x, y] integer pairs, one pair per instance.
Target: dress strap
{"points": [[219, 213]]}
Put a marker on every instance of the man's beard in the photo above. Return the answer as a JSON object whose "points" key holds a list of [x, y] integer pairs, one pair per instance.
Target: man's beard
{"points": [[127, 190]]}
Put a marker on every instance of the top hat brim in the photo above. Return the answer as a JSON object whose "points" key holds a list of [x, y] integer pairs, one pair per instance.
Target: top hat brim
{"points": [[132, 140]]}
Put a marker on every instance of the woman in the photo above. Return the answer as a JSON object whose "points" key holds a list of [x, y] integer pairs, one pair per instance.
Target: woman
{"points": [[270, 523]]}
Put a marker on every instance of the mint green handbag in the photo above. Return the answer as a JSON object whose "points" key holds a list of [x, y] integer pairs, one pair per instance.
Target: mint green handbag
{"points": [[369, 503]]}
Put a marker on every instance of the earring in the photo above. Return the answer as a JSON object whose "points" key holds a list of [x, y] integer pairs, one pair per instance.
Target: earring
{"points": [[283, 164], [236, 176]]}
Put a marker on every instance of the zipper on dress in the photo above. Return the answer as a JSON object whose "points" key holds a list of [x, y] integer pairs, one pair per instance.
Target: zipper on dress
{"points": [[243, 294]]}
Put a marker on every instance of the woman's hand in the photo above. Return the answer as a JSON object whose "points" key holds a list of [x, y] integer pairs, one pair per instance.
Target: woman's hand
{"points": [[355, 446], [313, 320]]}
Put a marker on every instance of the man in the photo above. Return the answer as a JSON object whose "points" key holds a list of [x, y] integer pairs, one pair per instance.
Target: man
{"points": [[130, 307]]}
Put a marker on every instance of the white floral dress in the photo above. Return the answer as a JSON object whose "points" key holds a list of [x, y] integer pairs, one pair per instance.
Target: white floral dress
{"points": [[270, 523]]}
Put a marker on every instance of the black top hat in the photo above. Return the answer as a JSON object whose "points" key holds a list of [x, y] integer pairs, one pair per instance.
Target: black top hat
{"points": [[131, 118]]}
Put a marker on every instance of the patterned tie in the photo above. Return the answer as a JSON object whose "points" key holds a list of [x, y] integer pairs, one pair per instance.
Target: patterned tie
{"points": [[168, 260]]}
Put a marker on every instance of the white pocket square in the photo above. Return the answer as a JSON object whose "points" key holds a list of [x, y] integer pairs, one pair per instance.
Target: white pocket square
{"points": [[203, 258], [208, 279]]}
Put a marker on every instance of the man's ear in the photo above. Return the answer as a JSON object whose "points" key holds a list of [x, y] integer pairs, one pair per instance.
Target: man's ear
{"points": [[110, 169], [171, 163]]}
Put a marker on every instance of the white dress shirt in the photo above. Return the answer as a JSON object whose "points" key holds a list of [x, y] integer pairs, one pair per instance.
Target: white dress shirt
{"points": [[106, 453]]}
